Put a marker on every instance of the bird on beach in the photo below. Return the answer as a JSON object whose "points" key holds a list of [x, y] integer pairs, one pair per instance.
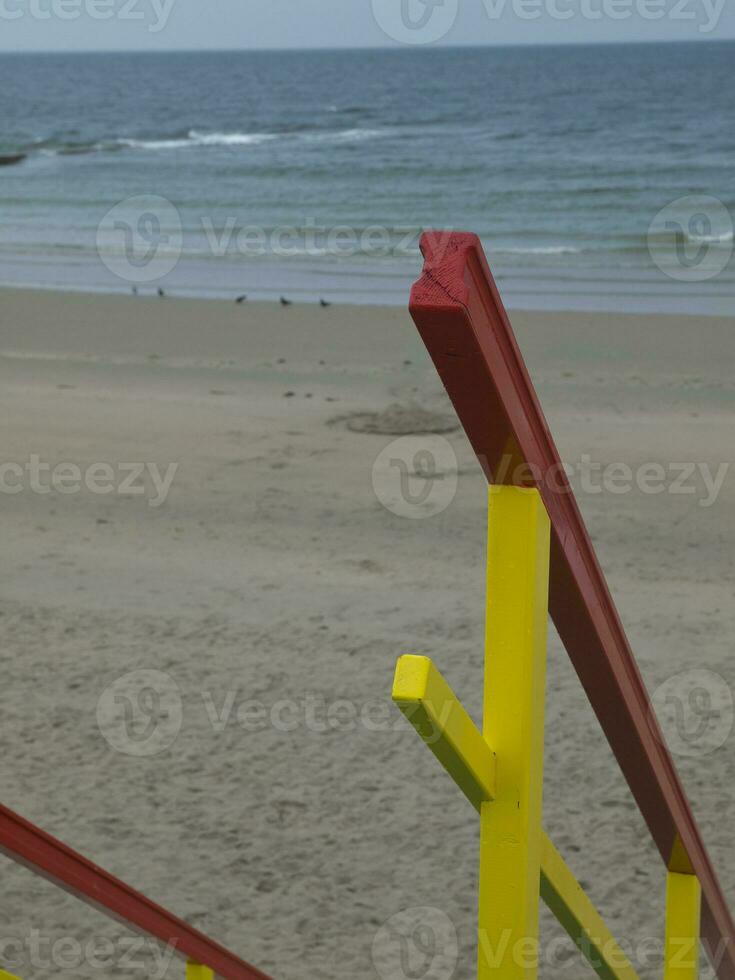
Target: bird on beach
{"points": [[285, 302], [241, 299], [323, 303], [161, 292], [135, 290]]}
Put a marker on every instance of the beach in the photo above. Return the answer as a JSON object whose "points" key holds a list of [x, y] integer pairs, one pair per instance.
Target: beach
{"points": [[221, 520]]}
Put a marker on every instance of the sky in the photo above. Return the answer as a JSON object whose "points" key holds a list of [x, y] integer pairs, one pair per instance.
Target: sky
{"points": [[74, 25]]}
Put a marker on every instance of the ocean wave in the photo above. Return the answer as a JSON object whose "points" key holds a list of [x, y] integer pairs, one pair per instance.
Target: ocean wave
{"points": [[538, 250], [195, 138], [344, 135], [691, 237], [514, 134], [726, 238], [349, 110], [54, 148]]}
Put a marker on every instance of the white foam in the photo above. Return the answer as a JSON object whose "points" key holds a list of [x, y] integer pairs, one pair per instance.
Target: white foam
{"points": [[344, 136], [195, 138], [726, 238], [541, 250]]}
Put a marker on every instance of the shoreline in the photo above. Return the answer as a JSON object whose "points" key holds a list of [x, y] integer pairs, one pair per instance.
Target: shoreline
{"points": [[376, 283], [91, 316]]}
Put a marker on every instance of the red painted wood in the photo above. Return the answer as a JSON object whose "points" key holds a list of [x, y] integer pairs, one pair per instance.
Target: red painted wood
{"points": [[460, 316], [43, 854]]}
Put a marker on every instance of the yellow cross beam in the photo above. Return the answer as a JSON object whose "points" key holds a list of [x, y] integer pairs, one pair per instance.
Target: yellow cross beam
{"points": [[430, 705], [438, 716]]}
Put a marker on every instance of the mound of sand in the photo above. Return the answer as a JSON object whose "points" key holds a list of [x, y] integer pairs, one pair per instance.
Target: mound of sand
{"points": [[400, 420]]}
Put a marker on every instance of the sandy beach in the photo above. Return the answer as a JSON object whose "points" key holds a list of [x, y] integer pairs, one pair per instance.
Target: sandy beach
{"points": [[218, 520]]}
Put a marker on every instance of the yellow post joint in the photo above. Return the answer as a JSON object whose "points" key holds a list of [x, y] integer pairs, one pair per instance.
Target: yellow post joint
{"points": [[681, 945], [435, 712]]}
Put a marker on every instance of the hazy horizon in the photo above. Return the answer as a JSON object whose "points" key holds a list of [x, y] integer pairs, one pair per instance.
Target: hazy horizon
{"points": [[397, 48], [183, 25]]}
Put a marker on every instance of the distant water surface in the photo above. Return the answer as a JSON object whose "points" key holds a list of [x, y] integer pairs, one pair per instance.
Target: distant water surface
{"points": [[311, 172]]}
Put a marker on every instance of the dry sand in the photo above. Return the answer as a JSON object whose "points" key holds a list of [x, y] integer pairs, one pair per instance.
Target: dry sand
{"points": [[272, 573]]}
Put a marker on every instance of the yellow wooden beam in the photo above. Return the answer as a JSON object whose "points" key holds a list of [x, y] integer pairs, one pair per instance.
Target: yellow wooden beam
{"points": [[433, 709], [195, 971], [563, 894], [516, 627], [438, 716], [681, 945]]}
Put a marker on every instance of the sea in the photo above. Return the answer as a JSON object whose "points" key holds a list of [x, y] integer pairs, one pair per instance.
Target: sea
{"points": [[598, 177]]}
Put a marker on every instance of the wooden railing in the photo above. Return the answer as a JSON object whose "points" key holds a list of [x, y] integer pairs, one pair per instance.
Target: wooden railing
{"points": [[539, 552], [46, 856]]}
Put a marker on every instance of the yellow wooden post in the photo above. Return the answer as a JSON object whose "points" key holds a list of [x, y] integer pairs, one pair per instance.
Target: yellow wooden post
{"points": [[195, 971], [514, 689], [513, 724], [681, 945]]}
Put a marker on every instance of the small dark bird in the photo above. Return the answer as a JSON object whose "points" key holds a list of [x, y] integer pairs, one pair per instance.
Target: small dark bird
{"points": [[135, 290], [241, 299], [323, 302], [161, 292], [285, 302]]}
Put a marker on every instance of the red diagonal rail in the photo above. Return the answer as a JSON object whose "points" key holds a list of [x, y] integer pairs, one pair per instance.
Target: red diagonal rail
{"points": [[25, 843], [460, 316]]}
